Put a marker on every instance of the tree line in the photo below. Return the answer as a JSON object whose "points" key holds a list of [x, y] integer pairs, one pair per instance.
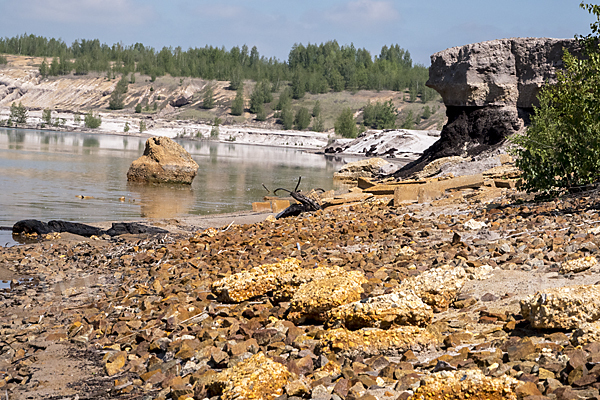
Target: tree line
{"points": [[310, 68]]}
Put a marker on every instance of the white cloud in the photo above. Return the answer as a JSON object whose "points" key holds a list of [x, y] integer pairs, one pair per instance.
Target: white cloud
{"points": [[368, 12], [107, 12]]}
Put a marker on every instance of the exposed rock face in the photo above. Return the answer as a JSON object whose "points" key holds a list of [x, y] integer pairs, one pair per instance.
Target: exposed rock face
{"points": [[489, 90], [164, 161]]}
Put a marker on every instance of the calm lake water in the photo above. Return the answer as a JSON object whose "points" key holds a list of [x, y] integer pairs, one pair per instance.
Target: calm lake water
{"points": [[43, 172]]}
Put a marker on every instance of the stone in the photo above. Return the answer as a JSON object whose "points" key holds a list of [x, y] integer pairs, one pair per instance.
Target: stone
{"points": [[298, 387], [521, 349], [180, 101], [527, 389], [578, 265], [282, 278], [315, 298], [115, 363], [163, 161], [489, 89], [368, 168], [439, 287], [261, 207], [451, 385], [257, 377], [401, 308], [562, 308], [588, 332], [372, 341]]}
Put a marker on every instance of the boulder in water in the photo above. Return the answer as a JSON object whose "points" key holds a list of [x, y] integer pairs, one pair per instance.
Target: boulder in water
{"points": [[164, 161]]}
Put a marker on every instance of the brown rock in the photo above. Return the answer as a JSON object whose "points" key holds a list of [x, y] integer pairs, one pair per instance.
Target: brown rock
{"points": [[342, 387], [164, 161], [297, 388], [521, 349], [527, 389], [305, 365], [115, 363]]}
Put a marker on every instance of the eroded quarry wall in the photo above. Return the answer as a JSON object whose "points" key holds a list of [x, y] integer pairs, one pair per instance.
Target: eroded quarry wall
{"points": [[489, 90]]}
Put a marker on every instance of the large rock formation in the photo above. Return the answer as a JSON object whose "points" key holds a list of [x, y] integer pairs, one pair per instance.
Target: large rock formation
{"points": [[489, 90], [164, 161]]}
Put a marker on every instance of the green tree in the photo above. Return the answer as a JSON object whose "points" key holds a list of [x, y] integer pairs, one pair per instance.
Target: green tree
{"points": [[426, 112], [43, 68], [3, 60], [318, 125], [285, 99], [380, 115], [18, 113], [261, 113], [54, 67], [345, 124], [409, 121], [287, 118], [316, 111], [117, 97], [208, 100], [561, 148], [237, 79], [142, 126], [126, 128], [298, 84], [47, 116], [237, 106], [92, 121], [302, 119], [116, 101], [138, 108], [256, 100]]}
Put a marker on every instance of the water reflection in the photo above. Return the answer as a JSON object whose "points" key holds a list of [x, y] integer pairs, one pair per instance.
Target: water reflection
{"points": [[43, 172], [162, 201]]}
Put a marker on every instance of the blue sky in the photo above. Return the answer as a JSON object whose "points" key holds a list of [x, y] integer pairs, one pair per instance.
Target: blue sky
{"points": [[421, 26]]}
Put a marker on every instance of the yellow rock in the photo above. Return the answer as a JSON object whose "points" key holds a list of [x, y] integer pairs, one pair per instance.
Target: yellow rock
{"points": [[116, 363]]}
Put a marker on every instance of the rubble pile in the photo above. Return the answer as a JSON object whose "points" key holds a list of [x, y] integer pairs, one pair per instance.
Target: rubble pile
{"points": [[365, 301]]}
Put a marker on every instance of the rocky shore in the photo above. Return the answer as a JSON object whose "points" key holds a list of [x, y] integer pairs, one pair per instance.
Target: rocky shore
{"points": [[458, 298]]}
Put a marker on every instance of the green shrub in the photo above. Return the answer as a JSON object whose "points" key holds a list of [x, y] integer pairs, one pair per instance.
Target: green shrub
{"points": [[561, 148], [302, 119], [91, 121], [47, 116], [345, 125], [18, 113], [380, 115]]}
